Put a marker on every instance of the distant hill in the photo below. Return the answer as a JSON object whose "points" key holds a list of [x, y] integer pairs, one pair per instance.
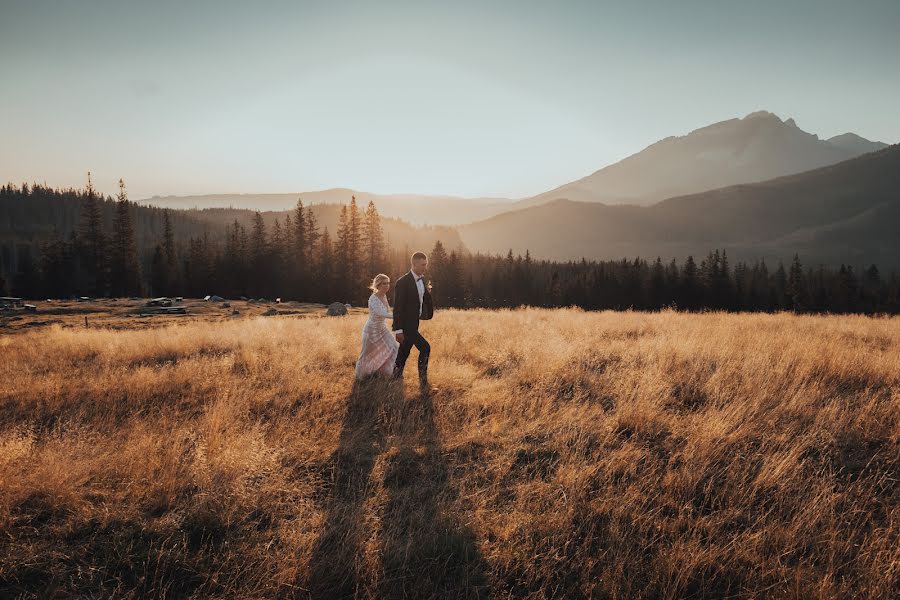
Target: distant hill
{"points": [[756, 148], [415, 209], [397, 233], [855, 144], [845, 212], [28, 220]]}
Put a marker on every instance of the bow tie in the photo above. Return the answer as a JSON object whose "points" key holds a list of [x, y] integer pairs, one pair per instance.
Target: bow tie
{"points": [[420, 278]]}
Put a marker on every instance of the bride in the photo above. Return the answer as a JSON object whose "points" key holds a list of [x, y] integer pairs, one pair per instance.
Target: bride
{"points": [[379, 346]]}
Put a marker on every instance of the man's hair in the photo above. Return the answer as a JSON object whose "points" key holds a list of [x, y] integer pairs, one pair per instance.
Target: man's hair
{"points": [[418, 255]]}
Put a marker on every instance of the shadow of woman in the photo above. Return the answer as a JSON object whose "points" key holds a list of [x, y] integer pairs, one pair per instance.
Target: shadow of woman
{"points": [[425, 552], [336, 569]]}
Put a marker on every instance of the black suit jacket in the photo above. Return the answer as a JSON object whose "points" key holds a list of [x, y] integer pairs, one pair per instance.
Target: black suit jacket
{"points": [[406, 304]]}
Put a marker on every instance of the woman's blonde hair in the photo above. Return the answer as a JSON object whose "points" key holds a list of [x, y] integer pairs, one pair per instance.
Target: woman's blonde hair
{"points": [[378, 279]]}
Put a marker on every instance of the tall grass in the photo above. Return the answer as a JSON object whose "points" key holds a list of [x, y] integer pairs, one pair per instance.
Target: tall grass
{"points": [[565, 455]]}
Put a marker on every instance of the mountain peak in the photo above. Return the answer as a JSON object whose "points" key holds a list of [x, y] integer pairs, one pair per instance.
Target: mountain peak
{"points": [[855, 143], [757, 147], [764, 114]]}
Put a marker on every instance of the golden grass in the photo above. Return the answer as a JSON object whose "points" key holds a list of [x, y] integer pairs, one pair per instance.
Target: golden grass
{"points": [[566, 454]]}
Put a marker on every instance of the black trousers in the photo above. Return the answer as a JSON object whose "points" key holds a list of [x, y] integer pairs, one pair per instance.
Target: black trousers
{"points": [[410, 339]]}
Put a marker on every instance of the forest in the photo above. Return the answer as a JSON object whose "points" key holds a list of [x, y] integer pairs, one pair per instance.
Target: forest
{"points": [[72, 243]]}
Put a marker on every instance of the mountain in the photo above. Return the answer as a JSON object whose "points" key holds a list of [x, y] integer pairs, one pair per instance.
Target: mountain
{"points": [[756, 148], [416, 209], [855, 144], [846, 212]]}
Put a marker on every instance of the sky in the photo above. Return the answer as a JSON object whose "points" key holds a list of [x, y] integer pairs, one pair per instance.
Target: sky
{"points": [[486, 98]]}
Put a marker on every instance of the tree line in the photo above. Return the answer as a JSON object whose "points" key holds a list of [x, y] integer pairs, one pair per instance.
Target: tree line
{"points": [[294, 258]]}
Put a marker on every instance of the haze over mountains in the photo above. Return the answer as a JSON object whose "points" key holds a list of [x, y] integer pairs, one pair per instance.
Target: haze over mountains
{"points": [[415, 209], [757, 147], [846, 212], [758, 186]]}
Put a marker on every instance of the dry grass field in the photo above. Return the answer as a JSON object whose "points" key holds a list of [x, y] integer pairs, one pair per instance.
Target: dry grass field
{"points": [[566, 455]]}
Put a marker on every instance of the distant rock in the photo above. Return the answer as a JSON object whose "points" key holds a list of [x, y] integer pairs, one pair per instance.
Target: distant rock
{"points": [[336, 309], [271, 312]]}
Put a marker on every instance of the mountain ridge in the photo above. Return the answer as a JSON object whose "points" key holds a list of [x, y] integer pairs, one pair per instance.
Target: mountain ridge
{"points": [[755, 219], [757, 147]]}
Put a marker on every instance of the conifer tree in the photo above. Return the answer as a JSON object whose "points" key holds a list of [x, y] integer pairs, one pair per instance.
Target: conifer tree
{"points": [[259, 254], [301, 262], [796, 286], [168, 270], [93, 240], [125, 269], [354, 251], [325, 269], [374, 240], [342, 255]]}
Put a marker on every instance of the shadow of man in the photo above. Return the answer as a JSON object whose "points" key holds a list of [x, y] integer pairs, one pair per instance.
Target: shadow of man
{"points": [[426, 553], [336, 568]]}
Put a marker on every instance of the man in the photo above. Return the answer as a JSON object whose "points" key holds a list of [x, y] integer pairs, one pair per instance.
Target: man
{"points": [[412, 303]]}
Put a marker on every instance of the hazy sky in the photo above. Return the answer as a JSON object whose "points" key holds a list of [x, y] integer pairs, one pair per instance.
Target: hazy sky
{"points": [[481, 98]]}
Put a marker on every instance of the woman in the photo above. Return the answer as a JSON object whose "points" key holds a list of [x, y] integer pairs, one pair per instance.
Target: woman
{"points": [[379, 347]]}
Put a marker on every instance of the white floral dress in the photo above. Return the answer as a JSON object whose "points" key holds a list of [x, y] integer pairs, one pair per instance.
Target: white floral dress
{"points": [[379, 346]]}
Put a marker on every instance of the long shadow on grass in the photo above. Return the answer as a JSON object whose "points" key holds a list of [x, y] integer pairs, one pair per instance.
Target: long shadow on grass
{"points": [[424, 553], [336, 566]]}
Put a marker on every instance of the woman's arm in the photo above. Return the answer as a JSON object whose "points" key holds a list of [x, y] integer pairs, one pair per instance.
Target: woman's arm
{"points": [[376, 307]]}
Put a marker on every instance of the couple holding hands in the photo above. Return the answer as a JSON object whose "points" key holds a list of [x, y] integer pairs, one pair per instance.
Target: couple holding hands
{"points": [[384, 351]]}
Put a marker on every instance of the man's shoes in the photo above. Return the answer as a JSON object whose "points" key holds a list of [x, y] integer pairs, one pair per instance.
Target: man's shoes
{"points": [[426, 387]]}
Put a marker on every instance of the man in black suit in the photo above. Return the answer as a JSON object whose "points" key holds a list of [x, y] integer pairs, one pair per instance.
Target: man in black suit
{"points": [[412, 303]]}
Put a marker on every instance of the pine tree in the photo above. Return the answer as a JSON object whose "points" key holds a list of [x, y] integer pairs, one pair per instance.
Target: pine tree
{"points": [[453, 292], [276, 259], [168, 278], [778, 297], [657, 284], [796, 291], [354, 251], [342, 255], [325, 269], [312, 234], [93, 240], [168, 239], [234, 260], [125, 269], [56, 266], [259, 255], [157, 271], [374, 240], [437, 265], [300, 248], [301, 263], [690, 284]]}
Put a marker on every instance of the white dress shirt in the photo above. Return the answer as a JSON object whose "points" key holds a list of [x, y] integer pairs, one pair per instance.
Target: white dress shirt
{"points": [[420, 285]]}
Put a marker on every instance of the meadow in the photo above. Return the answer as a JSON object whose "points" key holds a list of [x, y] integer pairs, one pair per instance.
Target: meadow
{"points": [[566, 454]]}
